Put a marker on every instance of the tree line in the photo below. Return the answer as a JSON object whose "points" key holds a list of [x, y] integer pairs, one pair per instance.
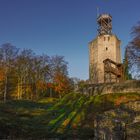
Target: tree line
{"points": [[25, 75]]}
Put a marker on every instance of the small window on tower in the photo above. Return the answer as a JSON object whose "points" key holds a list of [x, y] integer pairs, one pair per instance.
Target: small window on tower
{"points": [[104, 38], [106, 48], [108, 38]]}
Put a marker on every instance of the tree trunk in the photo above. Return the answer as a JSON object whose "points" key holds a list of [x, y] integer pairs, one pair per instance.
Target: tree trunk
{"points": [[60, 96], [21, 89], [50, 92], [5, 88], [18, 92]]}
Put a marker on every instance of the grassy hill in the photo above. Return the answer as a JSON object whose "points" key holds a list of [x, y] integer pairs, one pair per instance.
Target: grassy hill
{"points": [[74, 116]]}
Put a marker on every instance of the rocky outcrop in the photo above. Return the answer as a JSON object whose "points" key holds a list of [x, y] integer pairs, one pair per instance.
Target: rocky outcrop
{"points": [[122, 123], [75, 116]]}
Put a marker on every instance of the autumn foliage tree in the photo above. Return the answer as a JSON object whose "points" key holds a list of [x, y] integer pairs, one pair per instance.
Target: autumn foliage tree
{"points": [[61, 84], [8, 54], [25, 75]]}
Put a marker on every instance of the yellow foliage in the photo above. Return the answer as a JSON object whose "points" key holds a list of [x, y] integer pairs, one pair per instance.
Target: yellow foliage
{"points": [[66, 122], [41, 85], [2, 75]]}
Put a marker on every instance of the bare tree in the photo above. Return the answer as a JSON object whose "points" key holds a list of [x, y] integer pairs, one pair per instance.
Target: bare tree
{"points": [[133, 50], [24, 71], [8, 55], [40, 72], [58, 65]]}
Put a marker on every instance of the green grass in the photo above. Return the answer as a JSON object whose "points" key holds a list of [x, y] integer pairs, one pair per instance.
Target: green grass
{"points": [[71, 116]]}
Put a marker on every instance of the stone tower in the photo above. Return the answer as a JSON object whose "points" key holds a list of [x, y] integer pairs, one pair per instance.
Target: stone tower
{"points": [[105, 46]]}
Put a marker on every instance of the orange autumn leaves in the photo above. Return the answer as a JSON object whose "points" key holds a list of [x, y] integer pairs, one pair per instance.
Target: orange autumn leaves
{"points": [[61, 83], [124, 99], [2, 75], [41, 85]]}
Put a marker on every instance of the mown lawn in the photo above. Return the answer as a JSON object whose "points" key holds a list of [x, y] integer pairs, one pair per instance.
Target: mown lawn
{"points": [[70, 117]]}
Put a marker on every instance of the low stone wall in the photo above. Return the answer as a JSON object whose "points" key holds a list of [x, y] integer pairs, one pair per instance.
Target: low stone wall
{"points": [[130, 86]]}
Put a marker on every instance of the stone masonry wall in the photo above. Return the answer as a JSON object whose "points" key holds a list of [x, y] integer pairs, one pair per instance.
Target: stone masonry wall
{"points": [[101, 48], [130, 86]]}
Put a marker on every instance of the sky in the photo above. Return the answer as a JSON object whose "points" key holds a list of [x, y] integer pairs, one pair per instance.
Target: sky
{"points": [[64, 27]]}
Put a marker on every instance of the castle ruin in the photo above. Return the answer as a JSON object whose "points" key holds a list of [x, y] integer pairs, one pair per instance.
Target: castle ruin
{"points": [[105, 54]]}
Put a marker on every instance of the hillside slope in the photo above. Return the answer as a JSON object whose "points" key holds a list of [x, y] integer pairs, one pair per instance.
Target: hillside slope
{"points": [[103, 117]]}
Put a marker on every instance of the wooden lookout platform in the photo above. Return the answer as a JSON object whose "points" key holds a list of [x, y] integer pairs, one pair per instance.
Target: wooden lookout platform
{"points": [[113, 72]]}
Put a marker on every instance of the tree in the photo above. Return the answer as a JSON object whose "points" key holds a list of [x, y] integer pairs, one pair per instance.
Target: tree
{"points": [[127, 75], [8, 54], [40, 74], [57, 64], [2, 78], [75, 83], [25, 75], [24, 70], [81, 85], [133, 49], [59, 75], [61, 84]]}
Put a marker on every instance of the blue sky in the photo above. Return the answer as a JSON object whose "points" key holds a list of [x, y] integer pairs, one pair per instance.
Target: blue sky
{"points": [[64, 27]]}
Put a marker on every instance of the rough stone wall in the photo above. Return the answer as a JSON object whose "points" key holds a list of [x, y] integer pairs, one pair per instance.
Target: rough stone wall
{"points": [[101, 48], [130, 86], [121, 123], [93, 55]]}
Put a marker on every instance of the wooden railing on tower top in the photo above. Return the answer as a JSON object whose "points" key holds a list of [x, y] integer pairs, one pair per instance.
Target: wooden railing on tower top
{"points": [[113, 72]]}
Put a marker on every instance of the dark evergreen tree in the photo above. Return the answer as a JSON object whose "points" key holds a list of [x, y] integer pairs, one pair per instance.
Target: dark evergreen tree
{"points": [[127, 75]]}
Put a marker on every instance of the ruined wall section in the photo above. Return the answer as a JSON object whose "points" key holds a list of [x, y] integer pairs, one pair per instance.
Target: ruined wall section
{"points": [[93, 55], [101, 48]]}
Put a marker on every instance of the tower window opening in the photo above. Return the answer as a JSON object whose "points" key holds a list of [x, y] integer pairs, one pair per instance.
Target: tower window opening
{"points": [[108, 38], [106, 48], [104, 38]]}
